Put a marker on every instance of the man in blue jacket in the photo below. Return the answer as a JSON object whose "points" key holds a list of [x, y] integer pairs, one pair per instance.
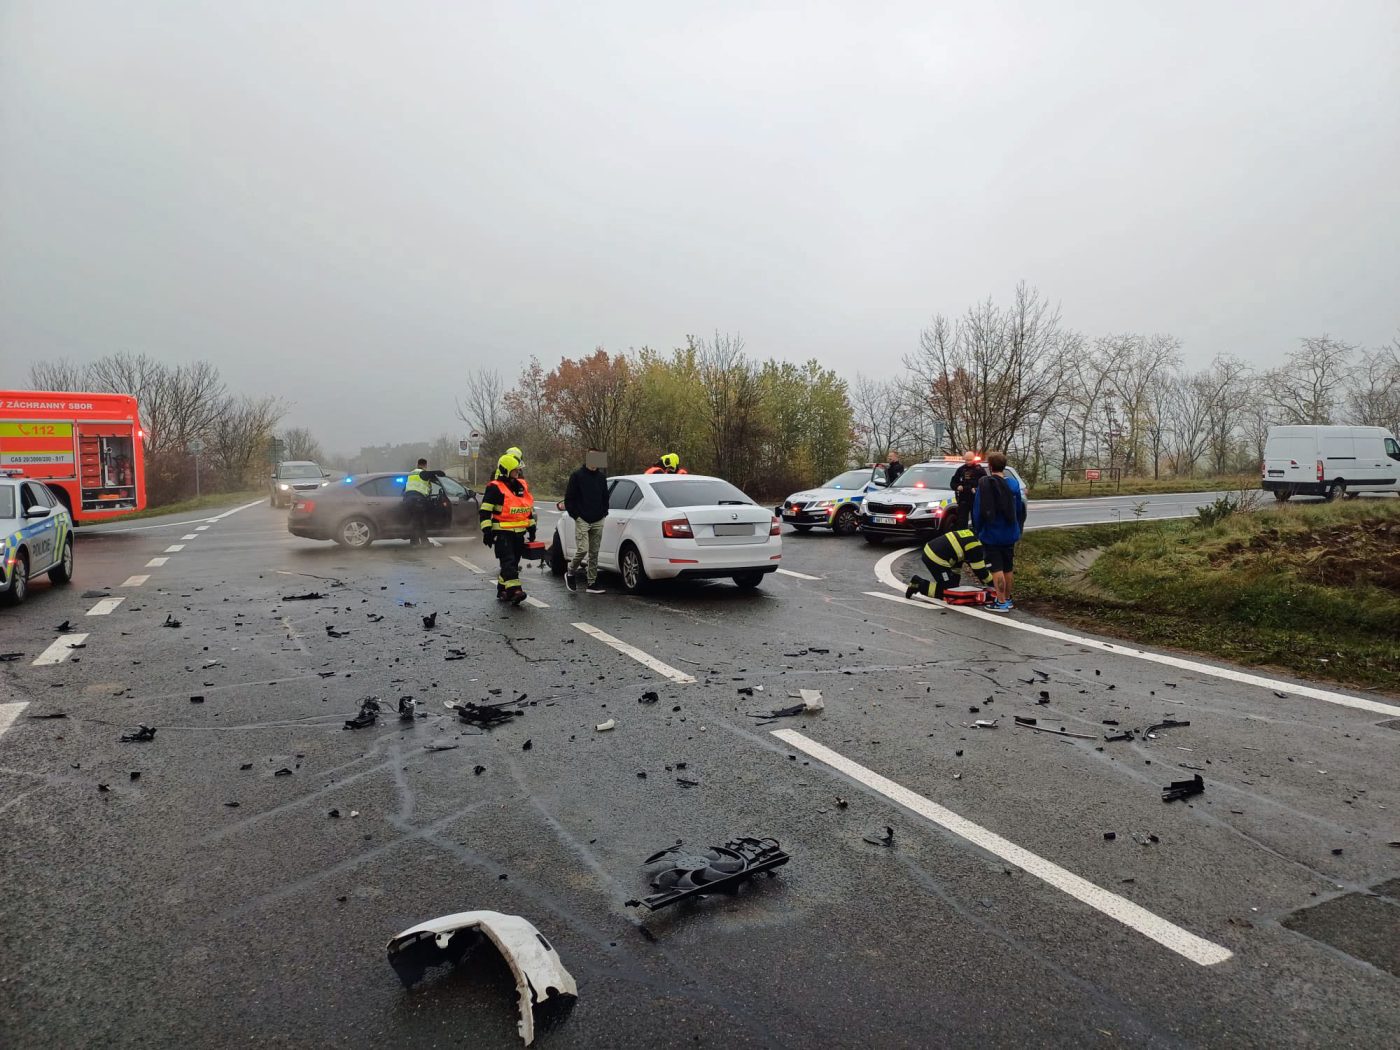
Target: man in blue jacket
{"points": [[998, 515]]}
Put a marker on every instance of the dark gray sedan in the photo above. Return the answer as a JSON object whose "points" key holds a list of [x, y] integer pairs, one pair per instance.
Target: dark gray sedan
{"points": [[359, 509]]}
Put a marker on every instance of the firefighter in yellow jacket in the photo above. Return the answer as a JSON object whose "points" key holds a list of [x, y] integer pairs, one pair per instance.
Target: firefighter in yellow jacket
{"points": [[507, 519], [942, 556]]}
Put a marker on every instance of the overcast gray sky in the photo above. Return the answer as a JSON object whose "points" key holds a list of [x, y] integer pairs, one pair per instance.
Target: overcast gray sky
{"points": [[353, 203]]}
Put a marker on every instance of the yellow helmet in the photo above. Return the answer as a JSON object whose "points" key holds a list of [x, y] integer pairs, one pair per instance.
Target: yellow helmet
{"points": [[670, 461], [513, 451], [507, 463]]}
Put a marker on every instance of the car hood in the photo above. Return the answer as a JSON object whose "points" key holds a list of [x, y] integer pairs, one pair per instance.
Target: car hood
{"points": [[912, 495], [808, 495]]}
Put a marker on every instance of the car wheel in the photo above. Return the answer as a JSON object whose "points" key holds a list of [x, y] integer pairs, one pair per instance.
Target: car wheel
{"points": [[558, 564], [802, 528], [748, 580], [634, 573], [873, 540], [63, 571], [19, 584], [1352, 495], [845, 524], [1283, 495], [355, 533], [1336, 491]]}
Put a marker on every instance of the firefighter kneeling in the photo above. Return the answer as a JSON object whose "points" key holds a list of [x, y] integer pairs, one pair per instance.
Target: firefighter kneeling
{"points": [[507, 517], [942, 556]]}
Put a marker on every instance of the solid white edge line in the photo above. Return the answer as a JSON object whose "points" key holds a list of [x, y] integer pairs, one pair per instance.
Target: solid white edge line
{"points": [[798, 575], [105, 607], [467, 565], [59, 650], [227, 513], [9, 712], [535, 602], [887, 577], [646, 659], [1185, 943], [156, 563], [174, 547], [136, 581]]}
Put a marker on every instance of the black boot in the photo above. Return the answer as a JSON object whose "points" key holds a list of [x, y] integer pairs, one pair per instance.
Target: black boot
{"points": [[917, 585]]}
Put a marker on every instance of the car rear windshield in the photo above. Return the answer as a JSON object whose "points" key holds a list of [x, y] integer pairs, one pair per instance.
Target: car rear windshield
{"points": [[926, 477], [7, 501], [298, 470], [698, 492]]}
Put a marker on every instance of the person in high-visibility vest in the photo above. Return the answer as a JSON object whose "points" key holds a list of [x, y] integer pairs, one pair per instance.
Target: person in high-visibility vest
{"points": [[520, 457], [416, 488], [942, 557], [507, 519], [670, 463]]}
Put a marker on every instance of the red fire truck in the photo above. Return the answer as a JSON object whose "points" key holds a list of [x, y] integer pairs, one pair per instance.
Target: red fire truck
{"points": [[86, 447]]}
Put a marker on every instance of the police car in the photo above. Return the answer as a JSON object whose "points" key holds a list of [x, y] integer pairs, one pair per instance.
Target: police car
{"points": [[833, 504], [36, 536]]}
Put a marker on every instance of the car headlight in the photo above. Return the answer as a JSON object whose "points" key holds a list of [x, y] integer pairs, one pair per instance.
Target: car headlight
{"points": [[821, 504]]}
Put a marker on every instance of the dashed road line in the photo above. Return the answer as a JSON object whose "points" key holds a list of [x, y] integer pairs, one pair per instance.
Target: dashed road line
{"points": [[9, 712], [646, 659], [200, 528], [887, 576], [797, 575], [535, 602], [156, 563], [191, 536], [468, 565], [105, 607], [1185, 943], [174, 547], [135, 581], [60, 650]]}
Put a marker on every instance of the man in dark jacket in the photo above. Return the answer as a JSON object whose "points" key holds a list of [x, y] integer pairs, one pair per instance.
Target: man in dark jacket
{"points": [[586, 501], [998, 517], [893, 469], [964, 486]]}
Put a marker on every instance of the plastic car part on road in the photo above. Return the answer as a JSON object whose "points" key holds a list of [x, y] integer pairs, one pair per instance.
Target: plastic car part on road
{"points": [[540, 977]]}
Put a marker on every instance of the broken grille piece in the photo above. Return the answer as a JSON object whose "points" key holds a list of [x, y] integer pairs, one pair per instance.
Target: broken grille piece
{"points": [[678, 873]]}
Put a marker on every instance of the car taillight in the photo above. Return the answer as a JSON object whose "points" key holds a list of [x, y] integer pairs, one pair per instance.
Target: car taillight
{"points": [[677, 529], [1320, 474], [307, 505], [775, 529]]}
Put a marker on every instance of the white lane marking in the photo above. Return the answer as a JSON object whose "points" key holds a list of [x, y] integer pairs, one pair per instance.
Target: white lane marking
{"points": [[200, 528], [191, 536], [798, 575], [105, 606], [1134, 916], [174, 547], [135, 581], [535, 602], [468, 565], [642, 658], [156, 563], [9, 712], [887, 577], [59, 650], [225, 514]]}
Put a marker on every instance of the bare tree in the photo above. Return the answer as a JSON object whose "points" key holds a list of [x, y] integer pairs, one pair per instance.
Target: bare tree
{"points": [[1373, 389], [298, 443], [237, 437], [1306, 389], [1225, 391], [730, 398], [58, 374], [881, 417], [1140, 365], [483, 405]]}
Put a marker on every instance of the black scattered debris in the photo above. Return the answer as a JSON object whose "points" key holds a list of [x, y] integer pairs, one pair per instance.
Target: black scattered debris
{"points": [[52, 714], [528, 744], [309, 596], [1044, 696], [170, 621], [196, 699], [1109, 722], [478, 770], [678, 873], [408, 707], [1109, 836], [1169, 723], [97, 594], [649, 697], [1281, 696], [135, 774], [641, 774], [103, 787], [246, 765], [143, 734], [819, 652], [332, 632], [746, 690], [231, 805], [1025, 721], [373, 617], [887, 839], [407, 605], [283, 772], [484, 716], [1337, 852], [369, 714], [1180, 789], [439, 747], [334, 814], [841, 803], [1126, 734], [430, 621], [325, 674], [6, 658], [1054, 732], [683, 782], [456, 654], [64, 627]]}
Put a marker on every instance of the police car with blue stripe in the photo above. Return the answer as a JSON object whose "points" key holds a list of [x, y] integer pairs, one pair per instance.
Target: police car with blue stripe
{"points": [[36, 536]]}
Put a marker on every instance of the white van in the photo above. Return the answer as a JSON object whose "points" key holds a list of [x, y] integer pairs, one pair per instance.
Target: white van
{"points": [[1330, 461]]}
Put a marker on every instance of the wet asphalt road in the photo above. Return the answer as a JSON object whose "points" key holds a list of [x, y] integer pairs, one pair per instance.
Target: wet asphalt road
{"points": [[155, 913]]}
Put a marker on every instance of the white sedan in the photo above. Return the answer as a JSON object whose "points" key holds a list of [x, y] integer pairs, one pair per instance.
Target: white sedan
{"points": [[664, 526]]}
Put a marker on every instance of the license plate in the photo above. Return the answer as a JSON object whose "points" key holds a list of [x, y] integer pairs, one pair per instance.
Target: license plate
{"points": [[882, 519], [734, 530]]}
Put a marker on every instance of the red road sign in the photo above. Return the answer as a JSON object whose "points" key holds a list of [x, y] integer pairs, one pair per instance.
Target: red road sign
{"points": [[1093, 474]]}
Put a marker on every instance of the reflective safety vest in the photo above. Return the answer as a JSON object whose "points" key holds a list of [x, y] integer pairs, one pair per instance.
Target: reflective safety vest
{"points": [[953, 548], [654, 469], [415, 482], [514, 513]]}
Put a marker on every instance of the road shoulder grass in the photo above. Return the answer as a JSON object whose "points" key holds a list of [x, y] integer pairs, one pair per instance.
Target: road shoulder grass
{"points": [[1313, 590]]}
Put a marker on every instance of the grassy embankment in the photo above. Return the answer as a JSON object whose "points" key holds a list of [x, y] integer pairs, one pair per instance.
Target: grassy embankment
{"points": [[1143, 487], [1313, 589], [220, 499]]}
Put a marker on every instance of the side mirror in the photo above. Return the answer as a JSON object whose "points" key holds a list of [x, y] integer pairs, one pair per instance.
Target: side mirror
{"points": [[325, 473], [38, 512], [879, 483]]}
